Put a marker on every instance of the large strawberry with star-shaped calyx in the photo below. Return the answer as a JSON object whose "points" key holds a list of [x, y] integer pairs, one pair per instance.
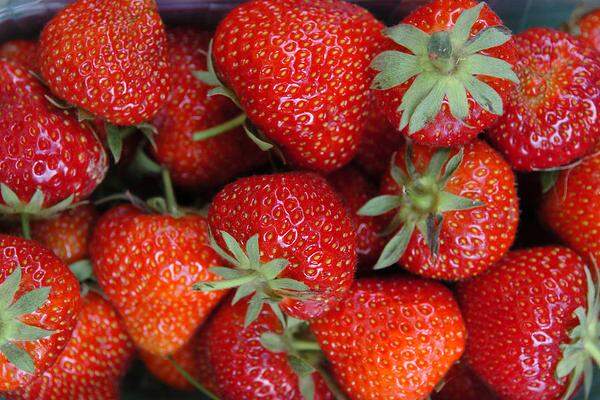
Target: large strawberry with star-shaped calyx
{"points": [[290, 243], [299, 71], [452, 213], [39, 304], [446, 72]]}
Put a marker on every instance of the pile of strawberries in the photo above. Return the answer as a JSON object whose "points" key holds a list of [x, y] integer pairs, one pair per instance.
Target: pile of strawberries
{"points": [[310, 147]]}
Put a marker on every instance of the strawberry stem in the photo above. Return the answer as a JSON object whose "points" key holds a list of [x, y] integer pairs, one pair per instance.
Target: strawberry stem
{"points": [[169, 193], [210, 286], [217, 130], [25, 227], [191, 380]]}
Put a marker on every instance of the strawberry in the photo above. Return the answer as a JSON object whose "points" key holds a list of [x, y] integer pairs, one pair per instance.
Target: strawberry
{"points": [[93, 362], [587, 26], [245, 369], [146, 264], [21, 51], [392, 338], [570, 208], [529, 331], [300, 245], [299, 71], [108, 58], [39, 304], [47, 158], [209, 162], [460, 383], [446, 72], [551, 119], [453, 218], [355, 189], [67, 234]]}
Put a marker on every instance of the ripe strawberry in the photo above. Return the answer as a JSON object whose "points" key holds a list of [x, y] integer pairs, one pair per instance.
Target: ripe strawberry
{"points": [[452, 218], [67, 234], [300, 245], [460, 383], [587, 26], [108, 57], [39, 303], [46, 155], [392, 338], [93, 362], [146, 264], [21, 51], [299, 70], [189, 109], [244, 369], [446, 72], [570, 208], [522, 317], [551, 119], [355, 189]]}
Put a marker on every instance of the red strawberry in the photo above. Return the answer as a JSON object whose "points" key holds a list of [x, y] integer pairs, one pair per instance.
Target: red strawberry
{"points": [[452, 218], [68, 233], [587, 26], [189, 109], [46, 155], [392, 338], [21, 51], [108, 57], [146, 264], [521, 317], [244, 369], [551, 119], [299, 70], [39, 304], [299, 243], [355, 189], [91, 366], [446, 72], [571, 208], [460, 383]]}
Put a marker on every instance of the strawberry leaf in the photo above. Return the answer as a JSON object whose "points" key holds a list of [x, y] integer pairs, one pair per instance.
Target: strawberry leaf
{"points": [[18, 357]]}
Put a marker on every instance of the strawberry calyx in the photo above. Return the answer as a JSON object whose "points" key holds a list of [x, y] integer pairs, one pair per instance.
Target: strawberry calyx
{"points": [[420, 205], [12, 329], [444, 65], [253, 277], [583, 350]]}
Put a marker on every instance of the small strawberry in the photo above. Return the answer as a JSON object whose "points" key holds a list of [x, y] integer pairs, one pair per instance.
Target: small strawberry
{"points": [[300, 245], [39, 304], [446, 72], [245, 369], [586, 24], [551, 120], [146, 264], [21, 51], [392, 338], [355, 189], [453, 217], [108, 58], [299, 71], [460, 383], [531, 334], [210, 162], [93, 362]]}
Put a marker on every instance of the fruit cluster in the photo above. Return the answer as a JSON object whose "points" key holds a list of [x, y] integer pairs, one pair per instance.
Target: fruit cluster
{"points": [[309, 147]]}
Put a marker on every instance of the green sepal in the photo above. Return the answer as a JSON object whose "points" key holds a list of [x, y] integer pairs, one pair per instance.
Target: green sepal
{"points": [[479, 64], [21, 332], [261, 142], [210, 78], [394, 249], [395, 68], [410, 37], [484, 95], [306, 384], [380, 205], [18, 357], [14, 206], [83, 115], [548, 179], [451, 202], [464, 24], [114, 141], [273, 342], [27, 303], [82, 270], [487, 38]]}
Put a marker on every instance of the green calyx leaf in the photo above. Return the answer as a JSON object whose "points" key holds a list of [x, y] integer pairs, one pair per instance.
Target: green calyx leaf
{"points": [[420, 204], [210, 78], [13, 205], [548, 180], [444, 66], [252, 277], [82, 269], [12, 329]]}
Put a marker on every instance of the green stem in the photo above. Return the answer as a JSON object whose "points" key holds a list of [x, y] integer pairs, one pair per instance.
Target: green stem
{"points": [[209, 286], [593, 350], [169, 193], [305, 345], [217, 130], [25, 227], [191, 380], [338, 394]]}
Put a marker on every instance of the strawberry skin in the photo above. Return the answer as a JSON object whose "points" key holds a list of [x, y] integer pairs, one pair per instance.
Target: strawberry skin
{"points": [[589, 28], [242, 367], [392, 338], [551, 120], [189, 109], [21, 51], [297, 217], [108, 57], [146, 264], [299, 70], [39, 268], [93, 362], [460, 383], [518, 314], [42, 147]]}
